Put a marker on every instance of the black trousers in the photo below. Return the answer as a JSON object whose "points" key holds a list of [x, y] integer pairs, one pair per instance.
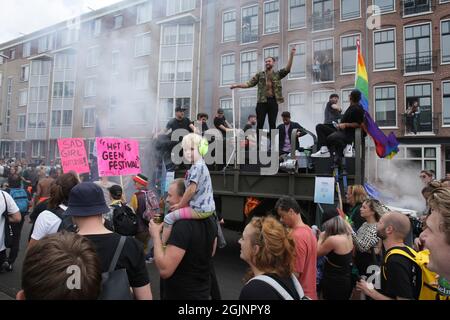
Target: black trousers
{"points": [[269, 108], [2, 257], [334, 139], [17, 232]]}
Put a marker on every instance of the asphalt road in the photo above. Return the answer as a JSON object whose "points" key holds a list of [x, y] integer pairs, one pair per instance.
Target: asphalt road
{"points": [[230, 269]]}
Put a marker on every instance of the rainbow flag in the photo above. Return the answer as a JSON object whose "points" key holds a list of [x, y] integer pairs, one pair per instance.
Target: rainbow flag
{"points": [[386, 147]]}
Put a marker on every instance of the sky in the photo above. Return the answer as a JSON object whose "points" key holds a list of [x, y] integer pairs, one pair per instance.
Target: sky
{"points": [[19, 17]]}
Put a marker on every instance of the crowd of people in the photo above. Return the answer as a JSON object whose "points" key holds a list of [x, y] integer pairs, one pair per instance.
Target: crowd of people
{"points": [[88, 229]]}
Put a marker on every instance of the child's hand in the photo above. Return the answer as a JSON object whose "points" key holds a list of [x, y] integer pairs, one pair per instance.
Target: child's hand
{"points": [[175, 207]]}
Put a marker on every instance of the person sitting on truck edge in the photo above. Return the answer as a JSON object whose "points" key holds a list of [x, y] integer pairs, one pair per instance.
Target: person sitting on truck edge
{"points": [[334, 140], [198, 199], [285, 132]]}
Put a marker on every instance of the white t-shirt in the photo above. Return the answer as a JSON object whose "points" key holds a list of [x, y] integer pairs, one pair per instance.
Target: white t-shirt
{"points": [[12, 208], [47, 223]]}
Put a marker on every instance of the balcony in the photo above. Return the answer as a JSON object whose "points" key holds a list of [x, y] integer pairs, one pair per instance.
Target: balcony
{"points": [[425, 61], [424, 124], [323, 72], [322, 21], [414, 7]]}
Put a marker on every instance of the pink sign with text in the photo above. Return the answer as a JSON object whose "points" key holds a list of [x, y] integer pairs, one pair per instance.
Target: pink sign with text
{"points": [[118, 157], [73, 155]]}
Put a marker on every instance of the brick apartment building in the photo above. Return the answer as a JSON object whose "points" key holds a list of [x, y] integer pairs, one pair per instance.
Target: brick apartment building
{"points": [[130, 64]]}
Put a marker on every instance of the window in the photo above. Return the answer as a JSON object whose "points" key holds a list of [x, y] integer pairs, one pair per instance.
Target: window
{"points": [[141, 78], [43, 93], [113, 116], [247, 107], [170, 35], [384, 51], [184, 70], [58, 89], [446, 104], [385, 5], [144, 12], [273, 52], [445, 41], [37, 149], [38, 94], [65, 121], [46, 43], [25, 73], [386, 106], [166, 110], [418, 53], [26, 50], [271, 17], [115, 56], [229, 26], [21, 122], [348, 53], [37, 120], [299, 64], [95, 27], [118, 21], [297, 105], [92, 57], [178, 6], [350, 9], [40, 68], [90, 87], [411, 7], [320, 99], [10, 84], [228, 69], [297, 14], [422, 94], [227, 104], [300, 111], [88, 117], [323, 15], [69, 88], [248, 65], [19, 149], [323, 65], [345, 99], [23, 97], [186, 34], [64, 61], [168, 71], [143, 44], [249, 24], [139, 114]]}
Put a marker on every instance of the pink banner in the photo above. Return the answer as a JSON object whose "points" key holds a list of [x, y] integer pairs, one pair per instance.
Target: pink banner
{"points": [[118, 157], [73, 155]]}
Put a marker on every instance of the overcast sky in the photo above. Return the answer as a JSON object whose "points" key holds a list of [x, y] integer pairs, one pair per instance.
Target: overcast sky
{"points": [[18, 17]]}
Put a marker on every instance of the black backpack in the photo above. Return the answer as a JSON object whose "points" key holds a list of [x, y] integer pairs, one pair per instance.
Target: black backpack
{"points": [[124, 220], [67, 223]]}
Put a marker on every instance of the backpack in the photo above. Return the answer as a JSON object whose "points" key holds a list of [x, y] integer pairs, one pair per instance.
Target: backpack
{"points": [[20, 196], [67, 223], [124, 220], [429, 285], [151, 205], [115, 284], [275, 285]]}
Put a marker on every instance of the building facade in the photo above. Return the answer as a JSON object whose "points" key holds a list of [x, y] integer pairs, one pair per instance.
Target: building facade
{"points": [[122, 70]]}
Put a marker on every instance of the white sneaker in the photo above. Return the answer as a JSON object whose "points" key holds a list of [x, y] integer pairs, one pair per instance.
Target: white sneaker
{"points": [[348, 151], [321, 154]]}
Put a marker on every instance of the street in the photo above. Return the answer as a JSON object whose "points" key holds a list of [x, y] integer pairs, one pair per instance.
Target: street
{"points": [[230, 270]]}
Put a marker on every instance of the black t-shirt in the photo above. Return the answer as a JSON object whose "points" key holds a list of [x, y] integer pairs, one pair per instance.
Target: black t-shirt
{"points": [[248, 127], [403, 277], [331, 114], [354, 114], [218, 122], [191, 280], [260, 290], [132, 257], [175, 124]]}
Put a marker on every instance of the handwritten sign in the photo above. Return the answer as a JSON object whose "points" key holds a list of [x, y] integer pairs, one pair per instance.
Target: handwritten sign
{"points": [[73, 155], [118, 157], [324, 190]]}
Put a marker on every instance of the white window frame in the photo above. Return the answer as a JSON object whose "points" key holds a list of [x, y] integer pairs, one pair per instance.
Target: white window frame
{"points": [[221, 69], [432, 100], [340, 12], [240, 63], [416, 14], [23, 116], [95, 58], [264, 33], [395, 50], [148, 18], [26, 102], [141, 37], [271, 47], [395, 127], [235, 26], [323, 30], [240, 27], [289, 17], [442, 104], [179, 9], [340, 53], [94, 78], [26, 53], [387, 12], [431, 48], [440, 36], [115, 27], [84, 125], [334, 61], [290, 77], [40, 146], [341, 99], [23, 79], [135, 82]]}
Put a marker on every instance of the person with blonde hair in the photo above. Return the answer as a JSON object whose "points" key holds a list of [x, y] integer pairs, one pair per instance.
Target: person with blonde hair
{"points": [[355, 196], [366, 239], [269, 250], [198, 199]]}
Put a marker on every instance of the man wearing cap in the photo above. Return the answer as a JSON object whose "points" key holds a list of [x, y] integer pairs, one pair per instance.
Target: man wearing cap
{"points": [[138, 203], [179, 122], [285, 132], [86, 207], [223, 126]]}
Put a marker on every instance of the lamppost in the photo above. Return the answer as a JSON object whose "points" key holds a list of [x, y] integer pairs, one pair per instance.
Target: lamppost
{"points": [[1, 107]]}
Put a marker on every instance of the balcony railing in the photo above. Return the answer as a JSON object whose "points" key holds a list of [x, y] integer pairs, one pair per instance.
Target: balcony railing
{"points": [[424, 122], [425, 61], [412, 7], [323, 72]]}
